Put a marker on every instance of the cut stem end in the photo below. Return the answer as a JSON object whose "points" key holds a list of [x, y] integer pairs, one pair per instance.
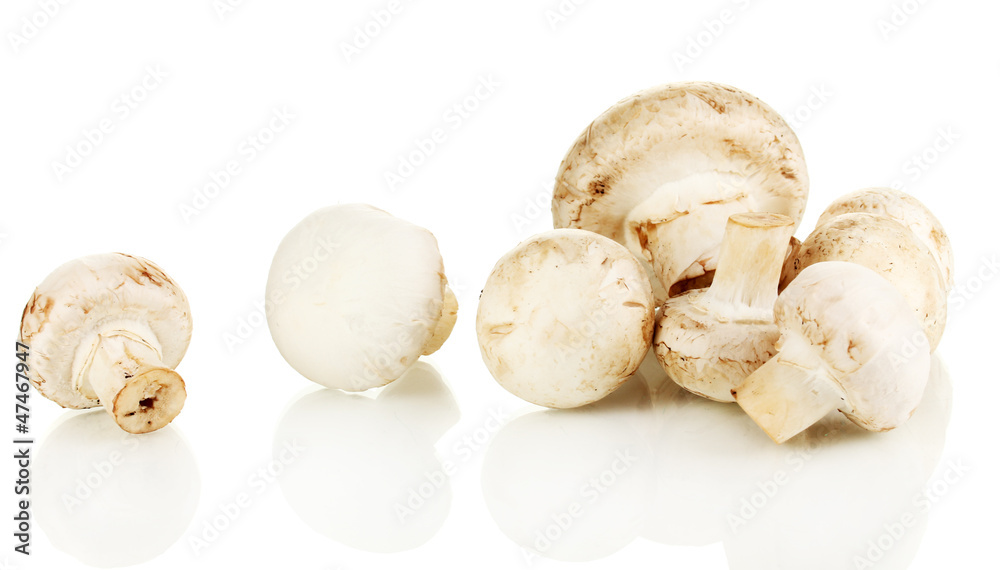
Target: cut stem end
{"points": [[784, 398]]}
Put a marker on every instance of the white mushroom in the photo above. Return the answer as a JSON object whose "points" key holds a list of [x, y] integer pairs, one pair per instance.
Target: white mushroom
{"points": [[662, 171], [886, 246], [906, 210], [357, 296], [108, 330], [564, 318], [710, 340], [849, 342]]}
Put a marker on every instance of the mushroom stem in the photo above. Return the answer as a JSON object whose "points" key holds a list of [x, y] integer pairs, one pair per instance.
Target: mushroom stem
{"points": [[122, 368], [791, 391], [449, 313], [752, 255]]}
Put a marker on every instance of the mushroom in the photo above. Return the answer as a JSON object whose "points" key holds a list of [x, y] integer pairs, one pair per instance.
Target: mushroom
{"points": [[662, 171], [886, 246], [564, 318], [849, 342], [710, 340], [107, 330], [905, 209], [356, 296]]}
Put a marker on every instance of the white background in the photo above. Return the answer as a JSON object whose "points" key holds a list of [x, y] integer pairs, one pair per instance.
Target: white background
{"points": [[865, 97]]}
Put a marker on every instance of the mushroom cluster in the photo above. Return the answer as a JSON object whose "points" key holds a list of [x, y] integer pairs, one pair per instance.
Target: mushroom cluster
{"points": [[685, 197], [673, 213]]}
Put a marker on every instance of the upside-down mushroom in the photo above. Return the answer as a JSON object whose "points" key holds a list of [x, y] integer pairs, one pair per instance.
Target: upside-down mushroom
{"points": [[108, 330]]}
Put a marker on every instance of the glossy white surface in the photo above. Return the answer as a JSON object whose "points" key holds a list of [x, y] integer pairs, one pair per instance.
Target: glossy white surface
{"points": [[263, 470]]}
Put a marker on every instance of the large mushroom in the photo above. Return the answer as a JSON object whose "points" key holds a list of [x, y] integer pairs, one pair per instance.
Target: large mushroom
{"points": [[107, 330], [357, 295], [849, 342], [564, 318], [662, 171]]}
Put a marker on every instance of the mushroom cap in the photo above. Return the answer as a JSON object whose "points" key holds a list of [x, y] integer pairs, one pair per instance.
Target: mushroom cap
{"points": [[705, 355], [886, 246], [83, 296], [865, 332], [564, 318], [355, 294], [664, 151], [906, 210]]}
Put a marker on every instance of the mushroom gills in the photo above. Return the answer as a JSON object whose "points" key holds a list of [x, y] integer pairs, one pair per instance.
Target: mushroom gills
{"points": [[671, 228]]}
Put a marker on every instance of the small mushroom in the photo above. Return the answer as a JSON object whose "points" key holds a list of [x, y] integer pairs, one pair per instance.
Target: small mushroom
{"points": [[356, 296], [905, 209], [886, 246], [564, 318], [662, 171], [710, 340], [849, 342], [107, 330]]}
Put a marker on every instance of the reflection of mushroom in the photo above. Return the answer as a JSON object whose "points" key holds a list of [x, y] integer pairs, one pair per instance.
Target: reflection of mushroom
{"points": [[906, 210], [564, 318], [710, 340], [849, 341], [706, 457], [662, 171], [369, 476], [886, 246], [111, 499], [108, 330], [869, 493], [357, 296], [573, 485]]}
